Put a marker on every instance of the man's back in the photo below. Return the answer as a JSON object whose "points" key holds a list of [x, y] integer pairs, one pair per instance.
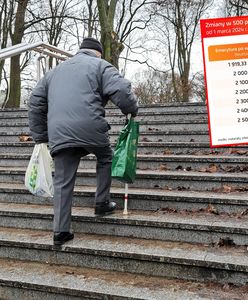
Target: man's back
{"points": [[73, 96], [75, 103]]}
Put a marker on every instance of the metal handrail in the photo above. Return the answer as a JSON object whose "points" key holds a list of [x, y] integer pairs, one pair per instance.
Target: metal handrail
{"points": [[38, 47], [44, 49]]}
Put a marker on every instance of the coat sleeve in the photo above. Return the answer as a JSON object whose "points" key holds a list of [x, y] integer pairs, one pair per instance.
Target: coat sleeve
{"points": [[37, 113], [118, 89]]}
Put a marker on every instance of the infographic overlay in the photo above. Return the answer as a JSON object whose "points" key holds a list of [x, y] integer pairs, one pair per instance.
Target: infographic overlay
{"points": [[225, 56]]}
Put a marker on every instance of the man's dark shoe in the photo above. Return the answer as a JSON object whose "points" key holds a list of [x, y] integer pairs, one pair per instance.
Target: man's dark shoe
{"points": [[59, 238], [105, 208]]}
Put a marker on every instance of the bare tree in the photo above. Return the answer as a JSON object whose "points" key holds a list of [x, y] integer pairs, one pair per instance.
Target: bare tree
{"points": [[92, 21], [30, 20], [154, 87], [197, 88], [16, 35], [55, 27], [6, 15], [236, 7], [179, 27], [118, 20]]}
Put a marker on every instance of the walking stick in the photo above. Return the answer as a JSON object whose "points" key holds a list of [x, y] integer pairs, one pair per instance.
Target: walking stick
{"points": [[125, 200]]}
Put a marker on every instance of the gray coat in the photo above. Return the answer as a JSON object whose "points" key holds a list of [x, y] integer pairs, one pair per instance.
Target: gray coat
{"points": [[66, 107]]}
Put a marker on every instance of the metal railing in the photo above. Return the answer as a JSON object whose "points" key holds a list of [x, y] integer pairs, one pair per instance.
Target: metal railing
{"points": [[45, 50], [41, 47]]}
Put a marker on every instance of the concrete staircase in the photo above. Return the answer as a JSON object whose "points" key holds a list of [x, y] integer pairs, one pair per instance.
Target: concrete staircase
{"points": [[185, 236]]}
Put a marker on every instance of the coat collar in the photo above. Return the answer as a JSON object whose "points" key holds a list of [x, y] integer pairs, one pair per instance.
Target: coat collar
{"points": [[87, 52]]}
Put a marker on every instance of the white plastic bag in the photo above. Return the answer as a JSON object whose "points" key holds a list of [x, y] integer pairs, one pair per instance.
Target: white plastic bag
{"points": [[38, 177]]}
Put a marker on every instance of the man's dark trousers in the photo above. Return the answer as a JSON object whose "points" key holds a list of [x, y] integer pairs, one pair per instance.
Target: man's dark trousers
{"points": [[66, 164]]}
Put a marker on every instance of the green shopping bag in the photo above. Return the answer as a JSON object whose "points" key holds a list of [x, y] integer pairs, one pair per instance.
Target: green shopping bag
{"points": [[125, 154]]}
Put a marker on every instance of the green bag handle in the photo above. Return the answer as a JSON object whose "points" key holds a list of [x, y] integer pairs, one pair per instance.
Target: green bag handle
{"points": [[125, 130]]}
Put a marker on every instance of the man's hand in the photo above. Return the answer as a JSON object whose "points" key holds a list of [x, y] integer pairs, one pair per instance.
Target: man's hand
{"points": [[134, 114]]}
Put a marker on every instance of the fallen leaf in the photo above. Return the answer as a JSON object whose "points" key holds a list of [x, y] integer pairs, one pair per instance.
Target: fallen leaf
{"points": [[223, 189], [217, 190], [227, 189], [239, 151], [243, 168], [244, 213], [167, 152], [168, 209], [25, 138], [182, 188], [225, 242], [228, 169], [199, 152], [179, 168], [166, 188], [212, 169], [241, 189], [227, 152], [69, 272], [228, 286], [144, 139], [214, 152], [164, 167], [211, 209]]}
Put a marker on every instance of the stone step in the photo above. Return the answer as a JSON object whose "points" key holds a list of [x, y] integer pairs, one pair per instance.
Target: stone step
{"points": [[155, 162], [175, 116], [204, 228], [150, 179], [32, 280], [172, 108], [145, 116], [149, 136], [235, 203], [13, 112], [145, 126], [148, 148], [139, 256], [180, 107]]}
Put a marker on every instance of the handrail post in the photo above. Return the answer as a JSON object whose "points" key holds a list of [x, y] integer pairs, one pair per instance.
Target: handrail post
{"points": [[39, 61]]}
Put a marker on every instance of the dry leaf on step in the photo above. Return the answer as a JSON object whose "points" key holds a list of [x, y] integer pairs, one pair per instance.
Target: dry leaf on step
{"points": [[225, 242], [167, 152], [179, 168], [25, 138], [164, 167], [227, 189], [239, 151], [211, 209], [212, 169], [145, 139], [244, 212]]}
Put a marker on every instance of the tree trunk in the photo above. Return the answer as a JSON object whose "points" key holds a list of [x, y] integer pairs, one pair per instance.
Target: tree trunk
{"points": [[6, 14], [15, 69], [185, 87], [15, 83], [109, 39]]}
